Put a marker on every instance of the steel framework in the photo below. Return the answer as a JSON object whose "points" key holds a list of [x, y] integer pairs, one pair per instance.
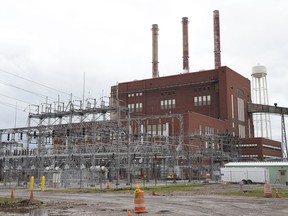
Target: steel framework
{"points": [[77, 145]]}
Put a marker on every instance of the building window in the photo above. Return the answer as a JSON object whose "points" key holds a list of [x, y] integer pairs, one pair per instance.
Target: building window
{"points": [[241, 110], [195, 101], [138, 107], [173, 103], [200, 100], [168, 104], [242, 131], [208, 99], [204, 100]]}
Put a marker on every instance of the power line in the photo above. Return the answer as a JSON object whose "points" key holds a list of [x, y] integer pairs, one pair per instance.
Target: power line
{"points": [[4, 71], [15, 99], [37, 83], [31, 92], [13, 106]]}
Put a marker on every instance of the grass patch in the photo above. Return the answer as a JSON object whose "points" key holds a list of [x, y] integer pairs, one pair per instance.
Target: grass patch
{"points": [[173, 188], [159, 189], [8, 200], [255, 193]]}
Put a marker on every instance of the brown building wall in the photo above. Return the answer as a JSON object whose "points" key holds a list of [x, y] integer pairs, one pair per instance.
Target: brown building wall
{"points": [[218, 85], [261, 147], [232, 83], [226, 112], [196, 122]]}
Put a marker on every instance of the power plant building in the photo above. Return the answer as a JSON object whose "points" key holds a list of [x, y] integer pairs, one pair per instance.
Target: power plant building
{"points": [[211, 102]]}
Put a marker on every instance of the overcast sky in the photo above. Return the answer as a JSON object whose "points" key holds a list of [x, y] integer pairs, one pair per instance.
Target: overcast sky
{"points": [[57, 43]]}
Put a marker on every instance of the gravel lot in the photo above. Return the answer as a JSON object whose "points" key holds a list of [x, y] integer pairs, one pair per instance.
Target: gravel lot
{"points": [[203, 201]]}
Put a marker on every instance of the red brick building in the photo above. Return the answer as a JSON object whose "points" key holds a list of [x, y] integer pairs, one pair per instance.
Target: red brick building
{"points": [[211, 102]]}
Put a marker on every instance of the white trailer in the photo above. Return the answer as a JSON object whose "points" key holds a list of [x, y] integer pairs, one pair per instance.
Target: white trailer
{"points": [[247, 175]]}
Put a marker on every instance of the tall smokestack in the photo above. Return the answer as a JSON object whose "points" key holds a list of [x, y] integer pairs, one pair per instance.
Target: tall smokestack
{"points": [[185, 44], [155, 72], [217, 49]]}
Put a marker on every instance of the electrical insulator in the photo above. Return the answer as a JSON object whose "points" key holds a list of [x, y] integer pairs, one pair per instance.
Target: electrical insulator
{"points": [[8, 136], [134, 155], [113, 156], [53, 133], [83, 131], [68, 132], [21, 136], [34, 135]]}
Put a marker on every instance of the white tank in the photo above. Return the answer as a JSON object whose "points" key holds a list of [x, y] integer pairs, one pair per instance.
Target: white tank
{"points": [[262, 125], [259, 71]]}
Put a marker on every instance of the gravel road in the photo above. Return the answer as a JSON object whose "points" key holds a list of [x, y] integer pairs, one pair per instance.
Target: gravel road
{"points": [[203, 201]]}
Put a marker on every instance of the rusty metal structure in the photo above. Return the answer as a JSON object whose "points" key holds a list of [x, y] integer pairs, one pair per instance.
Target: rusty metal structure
{"points": [[185, 44], [155, 70], [217, 48], [82, 146]]}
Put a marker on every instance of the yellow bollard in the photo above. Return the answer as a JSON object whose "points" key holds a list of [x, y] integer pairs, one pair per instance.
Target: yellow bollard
{"points": [[42, 183], [32, 183]]}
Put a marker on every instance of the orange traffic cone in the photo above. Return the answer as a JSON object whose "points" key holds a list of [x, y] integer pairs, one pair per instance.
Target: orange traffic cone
{"points": [[139, 202], [31, 196], [277, 195], [12, 194]]}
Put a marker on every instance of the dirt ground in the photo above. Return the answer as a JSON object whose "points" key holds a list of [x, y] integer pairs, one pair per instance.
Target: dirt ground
{"points": [[202, 201]]}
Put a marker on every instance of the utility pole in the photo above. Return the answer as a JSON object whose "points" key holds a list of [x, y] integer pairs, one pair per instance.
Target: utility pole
{"points": [[118, 140], [128, 149]]}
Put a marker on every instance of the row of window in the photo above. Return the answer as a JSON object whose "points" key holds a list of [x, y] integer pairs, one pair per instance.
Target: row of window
{"points": [[271, 147], [168, 93], [202, 100], [135, 107], [271, 157], [168, 104], [135, 94], [247, 145], [249, 156], [171, 103], [203, 88]]}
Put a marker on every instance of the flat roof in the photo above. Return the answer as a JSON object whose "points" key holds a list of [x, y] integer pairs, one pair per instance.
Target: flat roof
{"points": [[256, 164]]}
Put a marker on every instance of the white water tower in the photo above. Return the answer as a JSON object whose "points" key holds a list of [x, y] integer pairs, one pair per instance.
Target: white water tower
{"points": [[262, 124]]}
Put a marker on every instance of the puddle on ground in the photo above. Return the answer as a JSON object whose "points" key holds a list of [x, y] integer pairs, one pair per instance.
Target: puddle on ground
{"points": [[35, 212]]}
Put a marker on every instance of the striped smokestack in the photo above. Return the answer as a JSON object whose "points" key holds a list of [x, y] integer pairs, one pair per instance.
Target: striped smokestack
{"points": [[155, 72], [217, 49], [185, 45]]}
